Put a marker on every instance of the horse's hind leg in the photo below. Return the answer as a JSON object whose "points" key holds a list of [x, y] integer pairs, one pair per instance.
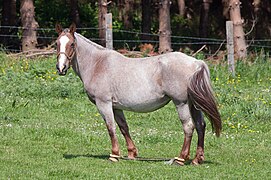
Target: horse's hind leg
{"points": [[120, 119], [200, 128], [188, 127]]}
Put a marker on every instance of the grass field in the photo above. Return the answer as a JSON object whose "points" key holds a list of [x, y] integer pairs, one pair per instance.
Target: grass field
{"points": [[50, 130]]}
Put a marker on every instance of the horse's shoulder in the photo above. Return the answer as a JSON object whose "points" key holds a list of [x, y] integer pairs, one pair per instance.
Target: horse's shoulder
{"points": [[101, 64]]}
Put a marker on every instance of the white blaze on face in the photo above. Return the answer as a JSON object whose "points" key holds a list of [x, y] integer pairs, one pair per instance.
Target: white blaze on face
{"points": [[62, 58]]}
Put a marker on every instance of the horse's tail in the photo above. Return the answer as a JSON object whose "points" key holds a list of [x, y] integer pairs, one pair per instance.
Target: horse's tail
{"points": [[201, 96]]}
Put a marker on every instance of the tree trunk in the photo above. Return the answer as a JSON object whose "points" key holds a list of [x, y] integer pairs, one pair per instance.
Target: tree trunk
{"points": [[9, 13], [264, 30], [204, 18], [258, 18], [226, 8], [102, 13], [164, 27], [120, 9], [75, 12], [30, 25], [146, 19], [257, 5], [266, 4], [128, 16], [239, 35], [181, 4], [9, 18]]}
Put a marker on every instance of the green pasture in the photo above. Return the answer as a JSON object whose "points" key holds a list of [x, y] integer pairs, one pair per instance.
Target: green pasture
{"points": [[50, 130]]}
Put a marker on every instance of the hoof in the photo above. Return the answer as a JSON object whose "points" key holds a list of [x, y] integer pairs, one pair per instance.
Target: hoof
{"points": [[131, 158], [132, 153], [176, 161], [196, 162], [113, 158]]}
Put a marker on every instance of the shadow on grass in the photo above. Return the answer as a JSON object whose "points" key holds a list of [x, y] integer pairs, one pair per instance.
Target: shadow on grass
{"points": [[72, 156], [205, 162]]}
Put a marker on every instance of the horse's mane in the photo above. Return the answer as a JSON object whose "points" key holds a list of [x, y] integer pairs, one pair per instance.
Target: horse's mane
{"points": [[77, 35]]}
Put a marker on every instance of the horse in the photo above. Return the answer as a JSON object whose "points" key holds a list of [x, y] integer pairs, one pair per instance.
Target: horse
{"points": [[115, 83]]}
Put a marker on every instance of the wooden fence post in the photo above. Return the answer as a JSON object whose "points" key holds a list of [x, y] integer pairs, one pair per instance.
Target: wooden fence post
{"points": [[109, 33], [230, 47]]}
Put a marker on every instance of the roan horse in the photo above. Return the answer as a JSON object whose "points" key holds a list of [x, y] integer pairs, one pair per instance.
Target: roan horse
{"points": [[115, 83]]}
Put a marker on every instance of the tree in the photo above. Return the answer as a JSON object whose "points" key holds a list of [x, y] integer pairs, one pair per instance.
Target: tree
{"points": [[238, 32], [204, 18], [146, 19], [261, 18], [164, 27], [9, 18], [257, 13], [120, 5], [102, 13], [30, 25], [75, 12], [232, 7], [127, 15], [181, 5]]}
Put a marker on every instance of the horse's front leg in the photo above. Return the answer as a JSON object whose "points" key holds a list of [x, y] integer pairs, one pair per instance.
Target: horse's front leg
{"points": [[120, 119], [106, 110]]}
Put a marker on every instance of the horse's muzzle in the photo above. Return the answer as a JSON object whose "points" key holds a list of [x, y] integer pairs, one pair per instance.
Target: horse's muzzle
{"points": [[63, 71]]}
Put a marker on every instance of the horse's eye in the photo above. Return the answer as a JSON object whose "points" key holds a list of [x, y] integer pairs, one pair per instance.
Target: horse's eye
{"points": [[72, 45]]}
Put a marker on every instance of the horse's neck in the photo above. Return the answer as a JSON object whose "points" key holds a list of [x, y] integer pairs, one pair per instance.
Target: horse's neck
{"points": [[85, 57]]}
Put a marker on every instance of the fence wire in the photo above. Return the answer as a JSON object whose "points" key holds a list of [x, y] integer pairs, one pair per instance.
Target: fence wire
{"points": [[126, 38]]}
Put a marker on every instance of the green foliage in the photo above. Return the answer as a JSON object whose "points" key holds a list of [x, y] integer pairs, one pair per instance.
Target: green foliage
{"points": [[50, 12], [49, 129], [89, 15], [184, 27]]}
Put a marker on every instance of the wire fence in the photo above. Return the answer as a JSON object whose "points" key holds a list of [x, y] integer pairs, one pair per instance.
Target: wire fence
{"points": [[126, 39]]}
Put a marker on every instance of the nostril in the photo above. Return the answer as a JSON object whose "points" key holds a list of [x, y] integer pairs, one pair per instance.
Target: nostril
{"points": [[64, 66], [57, 66]]}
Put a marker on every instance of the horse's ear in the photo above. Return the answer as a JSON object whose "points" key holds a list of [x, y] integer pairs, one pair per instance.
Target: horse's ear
{"points": [[58, 28], [72, 28]]}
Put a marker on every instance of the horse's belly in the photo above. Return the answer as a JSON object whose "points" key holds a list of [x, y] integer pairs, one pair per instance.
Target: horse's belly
{"points": [[143, 105]]}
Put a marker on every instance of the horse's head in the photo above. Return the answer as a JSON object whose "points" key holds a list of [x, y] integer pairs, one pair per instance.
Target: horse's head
{"points": [[65, 48]]}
